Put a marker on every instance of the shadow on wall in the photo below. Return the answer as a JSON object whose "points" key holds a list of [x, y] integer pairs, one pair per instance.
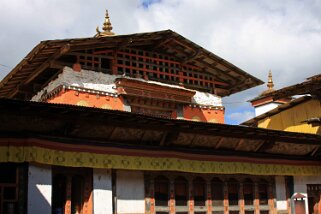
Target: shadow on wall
{"points": [[39, 190]]}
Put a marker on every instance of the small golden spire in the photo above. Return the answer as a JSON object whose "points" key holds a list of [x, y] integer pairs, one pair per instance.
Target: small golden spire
{"points": [[107, 27], [270, 84]]}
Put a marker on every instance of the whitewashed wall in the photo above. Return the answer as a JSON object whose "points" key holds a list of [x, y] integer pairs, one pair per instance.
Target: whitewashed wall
{"points": [[130, 192], [281, 201], [39, 188], [300, 186], [102, 193], [265, 108]]}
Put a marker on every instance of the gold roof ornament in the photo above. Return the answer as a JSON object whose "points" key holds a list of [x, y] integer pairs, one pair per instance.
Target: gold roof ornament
{"points": [[269, 84], [107, 27]]}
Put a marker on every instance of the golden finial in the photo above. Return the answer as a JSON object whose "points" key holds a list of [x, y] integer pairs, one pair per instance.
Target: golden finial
{"points": [[270, 84], [107, 27]]}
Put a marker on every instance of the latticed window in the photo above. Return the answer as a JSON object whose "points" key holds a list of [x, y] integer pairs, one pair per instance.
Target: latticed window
{"points": [[161, 191], [199, 186], [263, 192], [181, 191], [224, 188], [248, 192], [233, 192], [217, 192]]}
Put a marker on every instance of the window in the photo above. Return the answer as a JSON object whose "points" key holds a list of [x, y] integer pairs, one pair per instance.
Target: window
{"points": [[181, 191], [263, 192], [71, 190], [9, 188], [233, 192], [248, 192], [199, 187], [161, 191], [217, 192]]}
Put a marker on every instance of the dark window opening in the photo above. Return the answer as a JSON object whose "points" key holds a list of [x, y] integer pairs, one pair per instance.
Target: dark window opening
{"points": [[233, 192], [161, 191], [181, 191], [263, 192], [199, 187], [58, 194], [105, 65], [77, 198], [248, 192], [71, 188], [68, 59], [217, 190]]}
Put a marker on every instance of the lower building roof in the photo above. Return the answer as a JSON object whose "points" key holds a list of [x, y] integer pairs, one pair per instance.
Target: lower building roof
{"points": [[100, 127]]}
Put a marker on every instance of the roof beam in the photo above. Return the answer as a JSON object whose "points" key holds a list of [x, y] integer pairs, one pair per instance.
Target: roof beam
{"points": [[168, 137], [265, 145], [64, 49], [220, 141], [239, 144]]}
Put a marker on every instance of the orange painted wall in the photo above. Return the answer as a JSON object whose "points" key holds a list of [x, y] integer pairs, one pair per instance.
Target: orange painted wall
{"points": [[86, 99], [117, 103], [204, 115]]}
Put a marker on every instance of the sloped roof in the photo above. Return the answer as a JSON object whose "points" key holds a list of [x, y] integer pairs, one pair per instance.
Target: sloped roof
{"points": [[311, 86], [167, 41], [253, 121], [93, 126]]}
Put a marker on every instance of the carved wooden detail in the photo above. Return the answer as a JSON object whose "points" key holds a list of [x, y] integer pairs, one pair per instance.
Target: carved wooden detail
{"points": [[137, 88], [291, 149]]}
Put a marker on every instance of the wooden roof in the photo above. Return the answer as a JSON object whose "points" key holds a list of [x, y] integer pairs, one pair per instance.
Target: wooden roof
{"points": [[311, 86], [34, 71], [93, 126]]}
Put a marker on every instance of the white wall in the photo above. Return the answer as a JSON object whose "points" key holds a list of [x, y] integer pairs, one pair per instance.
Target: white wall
{"points": [[39, 189], [300, 186], [102, 196], [265, 108], [281, 201], [130, 192]]}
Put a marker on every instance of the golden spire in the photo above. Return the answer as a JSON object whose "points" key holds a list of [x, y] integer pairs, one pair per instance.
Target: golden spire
{"points": [[269, 84], [270, 81], [106, 27]]}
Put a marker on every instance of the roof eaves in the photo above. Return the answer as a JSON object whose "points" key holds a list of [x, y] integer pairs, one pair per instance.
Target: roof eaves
{"points": [[276, 110]]}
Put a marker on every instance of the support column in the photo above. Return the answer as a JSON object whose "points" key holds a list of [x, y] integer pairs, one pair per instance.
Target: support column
{"points": [[241, 199], [68, 196], [114, 64], [171, 197], [191, 196], [39, 188], [225, 198], [152, 199], [209, 196], [271, 199], [256, 199], [102, 191]]}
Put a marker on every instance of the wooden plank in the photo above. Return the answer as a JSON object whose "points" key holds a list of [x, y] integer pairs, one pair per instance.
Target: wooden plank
{"points": [[239, 144], [219, 143]]}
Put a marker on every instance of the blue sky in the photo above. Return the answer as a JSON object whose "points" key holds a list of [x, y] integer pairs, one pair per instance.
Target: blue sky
{"points": [[147, 3], [256, 36]]}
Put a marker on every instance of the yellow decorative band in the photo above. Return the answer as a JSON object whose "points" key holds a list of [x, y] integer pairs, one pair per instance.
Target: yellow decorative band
{"points": [[96, 160]]}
